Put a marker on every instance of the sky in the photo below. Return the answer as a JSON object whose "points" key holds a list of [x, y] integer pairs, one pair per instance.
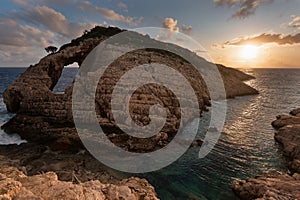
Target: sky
{"points": [[236, 33]]}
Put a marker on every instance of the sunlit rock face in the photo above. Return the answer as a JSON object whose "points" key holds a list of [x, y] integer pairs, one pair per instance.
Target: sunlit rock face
{"points": [[46, 118], [14, 184]]}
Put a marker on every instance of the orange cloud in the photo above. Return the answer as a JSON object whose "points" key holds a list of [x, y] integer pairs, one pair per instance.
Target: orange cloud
{"points": [[107, 13], [266, 38], [170, 24]]}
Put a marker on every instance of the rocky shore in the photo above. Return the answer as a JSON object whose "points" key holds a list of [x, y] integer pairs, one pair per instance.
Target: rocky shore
{"points": [[278, 186], [15, 184], [54, 149], [288, 135]]}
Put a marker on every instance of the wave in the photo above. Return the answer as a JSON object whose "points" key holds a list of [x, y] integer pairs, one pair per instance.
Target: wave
{"points": [[7, 139]]}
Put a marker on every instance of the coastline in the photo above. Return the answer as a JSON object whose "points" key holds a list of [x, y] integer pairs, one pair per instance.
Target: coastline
{"points": [[44, 119], [280, 185]]}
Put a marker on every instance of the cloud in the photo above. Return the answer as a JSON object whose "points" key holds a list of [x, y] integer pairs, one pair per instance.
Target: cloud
{"points": [[52, 20], [246, 8], [108, 14], [25, 33], [171, 24], [266, 38], [85, 6], [29, 3], [123, 6], [186, 29], [14, 34], [22, 3], [20, 44], [295, 21], [12, 56]]}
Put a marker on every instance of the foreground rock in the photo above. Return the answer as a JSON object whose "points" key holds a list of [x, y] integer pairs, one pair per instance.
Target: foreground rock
{"points": [[283, 186], [54, 172], [14, 184], [46, 118], [33, 159]]}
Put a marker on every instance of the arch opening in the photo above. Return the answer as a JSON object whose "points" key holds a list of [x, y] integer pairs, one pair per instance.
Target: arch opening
{"points": [[66, 79]]}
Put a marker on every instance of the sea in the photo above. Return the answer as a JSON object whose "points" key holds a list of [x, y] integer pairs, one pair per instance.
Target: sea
{"points": [[245, 149]]}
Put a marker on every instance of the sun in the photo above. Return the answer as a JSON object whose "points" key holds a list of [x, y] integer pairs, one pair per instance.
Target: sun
{"points": [[249, 52]]}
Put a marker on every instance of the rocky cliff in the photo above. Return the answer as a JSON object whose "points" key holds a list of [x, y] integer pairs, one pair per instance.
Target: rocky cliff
{"points": [[46, 118], [278, 186], [288, 135]]}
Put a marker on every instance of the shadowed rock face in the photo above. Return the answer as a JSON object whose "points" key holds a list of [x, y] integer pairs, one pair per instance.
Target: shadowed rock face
{"points": [[278, 186], [288, 135], [46, 118]]}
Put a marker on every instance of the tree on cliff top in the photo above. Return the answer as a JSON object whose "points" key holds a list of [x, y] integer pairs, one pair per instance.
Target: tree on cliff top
{"points": [[51, 49]]}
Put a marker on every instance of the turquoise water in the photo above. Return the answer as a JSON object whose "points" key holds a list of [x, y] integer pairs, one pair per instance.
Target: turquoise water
{"points": [[246, 147]]}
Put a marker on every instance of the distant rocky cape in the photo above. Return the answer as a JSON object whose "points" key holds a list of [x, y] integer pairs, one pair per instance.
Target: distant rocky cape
{"points": [[46, 118]]}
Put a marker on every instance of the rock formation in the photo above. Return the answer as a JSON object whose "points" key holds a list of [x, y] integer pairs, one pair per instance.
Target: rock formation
{"points": [[46, 118], [15, 184], [234, 82], [278, 186], [282, 186], [288, 135]]}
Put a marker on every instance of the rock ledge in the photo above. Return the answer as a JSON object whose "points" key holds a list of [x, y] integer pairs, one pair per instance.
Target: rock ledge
{"points": [[15, 184]]}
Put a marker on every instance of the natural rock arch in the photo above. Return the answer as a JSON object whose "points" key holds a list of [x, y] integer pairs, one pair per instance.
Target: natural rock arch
{"points": [[47, 117]]}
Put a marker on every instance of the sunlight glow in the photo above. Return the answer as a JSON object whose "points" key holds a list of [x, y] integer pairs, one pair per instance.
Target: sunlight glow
{"points": [[249, 52]]}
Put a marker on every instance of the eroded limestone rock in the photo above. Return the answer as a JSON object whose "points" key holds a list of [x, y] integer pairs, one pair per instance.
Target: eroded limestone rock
{"points": [[46, 118], [14, 184]]}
